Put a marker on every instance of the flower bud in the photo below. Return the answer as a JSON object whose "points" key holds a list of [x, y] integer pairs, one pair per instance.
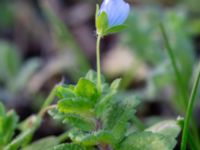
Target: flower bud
{"points": [[116, 10]]}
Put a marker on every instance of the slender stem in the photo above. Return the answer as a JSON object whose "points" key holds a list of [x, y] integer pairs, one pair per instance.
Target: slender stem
{"points": [[174, 64], [138, 123], [50, 98], [44, 110], [63, 137], [98, 63], [189, 112], [29, 132]]}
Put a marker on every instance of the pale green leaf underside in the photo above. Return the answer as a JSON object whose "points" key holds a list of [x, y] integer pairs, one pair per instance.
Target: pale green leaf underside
{"points": [[43, 144], [146, 141]]}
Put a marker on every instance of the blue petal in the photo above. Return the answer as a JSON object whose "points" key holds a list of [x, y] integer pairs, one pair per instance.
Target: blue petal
{"points": [[117, 11]]}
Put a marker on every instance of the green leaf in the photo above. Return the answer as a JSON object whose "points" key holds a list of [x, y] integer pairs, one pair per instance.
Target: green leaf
{"points": [[116, 120], [25, 73], [100, 137], [76, 105], [24, 137], [91, 76], [69, 147], [115, 85], [87, 89], [10, 61], [64, 92], [8, 124], [101, 23], [2, 110], [115, 29], [43, 144], [83, 123], [117, 116], [146, 141], [116, 110], [169, 128], [75, 134], [104, 103], [56, 114]]}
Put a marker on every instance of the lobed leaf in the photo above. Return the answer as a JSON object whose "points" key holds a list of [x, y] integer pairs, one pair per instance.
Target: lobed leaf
{"points": [[83, 123], [65, 92], [76, 105], [87, 89]]}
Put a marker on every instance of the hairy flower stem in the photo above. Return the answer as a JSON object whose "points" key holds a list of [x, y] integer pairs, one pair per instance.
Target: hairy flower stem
{"points": [[98, 63]]}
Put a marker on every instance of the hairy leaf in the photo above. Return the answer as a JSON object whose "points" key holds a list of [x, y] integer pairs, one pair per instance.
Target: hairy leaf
{"points": [[87, 89], [64, 92], [103, 137], [69, 147], [169, 128], [146, 141], [76, 105], [83, 123], [43, 144]]}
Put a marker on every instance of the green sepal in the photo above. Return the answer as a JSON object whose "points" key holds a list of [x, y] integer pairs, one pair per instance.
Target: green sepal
{"points": [[101, 22]]}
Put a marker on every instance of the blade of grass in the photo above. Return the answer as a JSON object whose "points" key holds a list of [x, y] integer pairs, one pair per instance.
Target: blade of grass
{"points": [[174, 64], [189, 112], [181, 89]]}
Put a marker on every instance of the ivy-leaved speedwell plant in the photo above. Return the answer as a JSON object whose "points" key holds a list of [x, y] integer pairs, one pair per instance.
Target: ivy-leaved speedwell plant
{"points": [[98, 116]]}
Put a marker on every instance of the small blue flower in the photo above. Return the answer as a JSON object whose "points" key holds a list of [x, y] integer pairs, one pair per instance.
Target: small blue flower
{"points": [[116, 10]]}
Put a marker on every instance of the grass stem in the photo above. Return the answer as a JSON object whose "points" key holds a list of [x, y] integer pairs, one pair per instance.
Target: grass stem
{"points": [[189, 112]]}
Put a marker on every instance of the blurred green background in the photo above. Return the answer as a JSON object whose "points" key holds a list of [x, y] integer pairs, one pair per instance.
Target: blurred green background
{"points": [[45, 41]]}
